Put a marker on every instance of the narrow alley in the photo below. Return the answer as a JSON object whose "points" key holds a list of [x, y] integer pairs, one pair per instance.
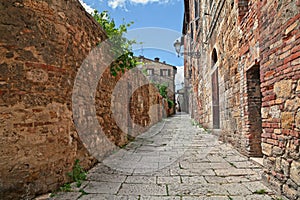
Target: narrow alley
{"points": [[174, 159], [148, 99]]}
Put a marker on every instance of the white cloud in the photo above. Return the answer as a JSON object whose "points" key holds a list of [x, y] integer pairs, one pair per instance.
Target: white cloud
{"points": [[88, 8], [143, 1], [122, 3], [116, 3]]}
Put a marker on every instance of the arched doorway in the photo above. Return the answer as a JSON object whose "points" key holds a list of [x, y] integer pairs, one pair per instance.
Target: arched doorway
{"points": [[215, 91]]}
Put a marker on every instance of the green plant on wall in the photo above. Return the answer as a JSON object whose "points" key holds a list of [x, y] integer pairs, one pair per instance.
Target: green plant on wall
{"points": [[162, 88], [77, 174], [121, 47], [170, 103]]}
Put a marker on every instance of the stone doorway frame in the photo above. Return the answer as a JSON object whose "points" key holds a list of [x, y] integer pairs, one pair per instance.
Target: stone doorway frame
{"points": [[254, 105]]}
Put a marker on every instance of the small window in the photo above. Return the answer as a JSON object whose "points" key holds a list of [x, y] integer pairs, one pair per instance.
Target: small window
{"points": [[214, 57], [196, 4], [196, 25], [165, 72], [150, 72], [243, 8], [210, 3], [192, 31]]}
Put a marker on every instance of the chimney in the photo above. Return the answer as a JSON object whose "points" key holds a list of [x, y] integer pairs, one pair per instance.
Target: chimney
{"points": [[156, 59], [164, 62]]}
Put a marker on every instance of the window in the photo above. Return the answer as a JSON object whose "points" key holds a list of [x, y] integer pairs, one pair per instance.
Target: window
{"points": [[214, 57], [210, 3], [190, 73], [197, 25], [196, 4], [150, 72], [243, 8], [192, 31], [165, 72]]}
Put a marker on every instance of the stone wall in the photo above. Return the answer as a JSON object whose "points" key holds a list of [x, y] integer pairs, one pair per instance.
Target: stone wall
{"points": [[280, 85], [272, 47], [250, 79], [256, 44], [216, 32], [42, 47]]}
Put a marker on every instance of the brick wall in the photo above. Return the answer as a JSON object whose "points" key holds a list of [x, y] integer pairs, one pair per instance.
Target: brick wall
{"points": [[280, 74], [250, 80], [42, 46], [257, 43], [224, 39]]}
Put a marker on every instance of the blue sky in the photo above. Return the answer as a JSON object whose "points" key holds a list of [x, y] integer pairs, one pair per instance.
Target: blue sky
{"points": [[157, 23]]}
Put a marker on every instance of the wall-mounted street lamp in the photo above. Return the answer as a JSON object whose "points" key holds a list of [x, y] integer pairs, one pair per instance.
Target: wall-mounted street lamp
{"points": [[177, 45]]}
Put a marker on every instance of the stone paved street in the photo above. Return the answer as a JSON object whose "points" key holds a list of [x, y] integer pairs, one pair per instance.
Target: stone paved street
{"points": [[174, 160]]}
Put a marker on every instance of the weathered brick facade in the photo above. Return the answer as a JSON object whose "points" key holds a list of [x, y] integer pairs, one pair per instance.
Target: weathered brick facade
{"points": [[279, 59], [42, 46], [245, 84]]}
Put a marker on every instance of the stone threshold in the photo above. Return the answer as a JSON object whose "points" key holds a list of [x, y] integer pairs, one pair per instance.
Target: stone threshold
{"points": [[257, 160]]}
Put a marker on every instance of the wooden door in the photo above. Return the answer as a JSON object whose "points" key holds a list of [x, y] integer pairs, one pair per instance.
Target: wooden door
{"points": [[215, 100]]}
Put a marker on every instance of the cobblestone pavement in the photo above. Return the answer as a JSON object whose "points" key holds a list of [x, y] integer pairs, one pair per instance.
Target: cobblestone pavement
{"points": [[174, 160]]}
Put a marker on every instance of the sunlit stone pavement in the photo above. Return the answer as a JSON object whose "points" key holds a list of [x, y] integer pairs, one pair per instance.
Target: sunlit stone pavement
{"points": [[174, 160]]}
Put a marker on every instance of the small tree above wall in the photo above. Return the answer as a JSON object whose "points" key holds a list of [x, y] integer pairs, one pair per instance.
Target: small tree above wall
{"points": [[121, 47], [162, 88]]}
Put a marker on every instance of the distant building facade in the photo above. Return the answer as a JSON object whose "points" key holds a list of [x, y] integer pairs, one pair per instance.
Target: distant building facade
{"points": [[160, 73], [242, 65]]}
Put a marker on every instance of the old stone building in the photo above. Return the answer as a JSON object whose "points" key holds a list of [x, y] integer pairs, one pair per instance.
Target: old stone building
{"points": [[245, 84], [42, 48], [160, 73]]}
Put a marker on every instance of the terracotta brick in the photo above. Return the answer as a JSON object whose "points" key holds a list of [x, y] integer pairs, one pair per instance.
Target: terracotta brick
{"points": [[286, 131], [295, 134], [295, 49], [274, 136], [269, 74], [244, 49], [266, 135], [292, 57], [272, 141]]}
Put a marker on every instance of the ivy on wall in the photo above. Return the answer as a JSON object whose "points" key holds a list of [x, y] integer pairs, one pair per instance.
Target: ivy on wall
{"points": [[162, 88], [121, 47]]}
